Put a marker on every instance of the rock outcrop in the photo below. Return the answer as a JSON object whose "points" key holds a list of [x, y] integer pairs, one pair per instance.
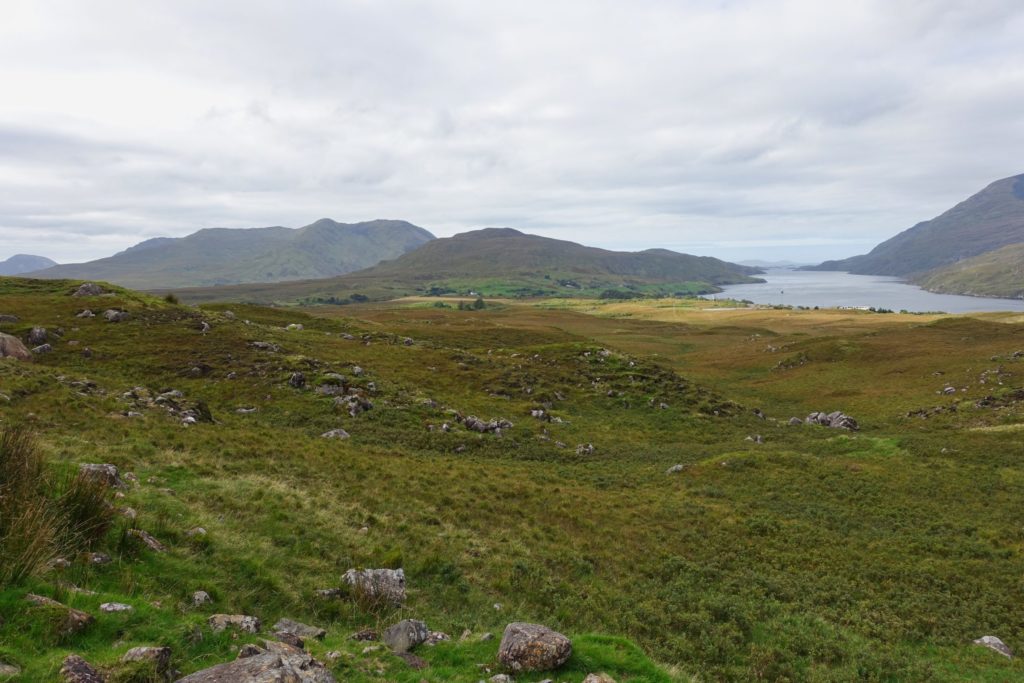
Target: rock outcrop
{"points": [[533, 647]]}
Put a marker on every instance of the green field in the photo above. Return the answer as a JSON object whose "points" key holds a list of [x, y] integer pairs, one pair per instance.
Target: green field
{"points": [[817, 555]]}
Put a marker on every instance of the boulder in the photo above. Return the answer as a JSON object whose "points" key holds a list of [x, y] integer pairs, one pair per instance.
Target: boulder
{"points": [[8, 669], [405, 635], [85, 314], [287, 639], [89, 289], [266, 667], [111, 607], [795, 422], [200, 598], [834, 420], [300, 629], [675, 469], [8, 318], [112, 315], [160, 656], [338, 433], [77, 670], [993, 643], [101, 472], [72, 620], [295, 327], [532, 647], [37, 335], [41, 349], [297, 380], [11, 347], [378, 585], [242, 622], [585, 449]]}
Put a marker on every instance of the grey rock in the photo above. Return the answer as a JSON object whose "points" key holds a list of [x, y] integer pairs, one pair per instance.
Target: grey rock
{"points": [[378, 586], [675, 469], [112, 315], [266, 667], [97, 558], [295, 327], [436, 637], [77, 670], [995, 644], [297, 380], [102, 472], [112, 607], [249, 650], [241, 622], [300, 629], [89, 289], [533, 647], [501, 678], [37, 335], [338, 433], [148, 540], [11, 347], [200, 598], [598, 678], [8, 669], [585, 449], [160, 656], [85, 314], [405, 635], [74, 620], [41, 349], [795, 422], [8, 318]]}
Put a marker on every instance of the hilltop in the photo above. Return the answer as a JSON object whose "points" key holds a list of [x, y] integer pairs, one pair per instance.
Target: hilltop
{"points": [[507, 262], [24, 263], [217, 256], [988, 220]]}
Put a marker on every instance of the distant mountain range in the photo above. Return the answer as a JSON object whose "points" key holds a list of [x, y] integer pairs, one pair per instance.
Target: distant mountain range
{"points": [[219, 256], [506, 262], [24, 263], [758, 263], [970, 249]]}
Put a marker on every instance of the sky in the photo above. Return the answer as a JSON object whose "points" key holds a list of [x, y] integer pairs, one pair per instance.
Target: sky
{"points": [[768, 129]]}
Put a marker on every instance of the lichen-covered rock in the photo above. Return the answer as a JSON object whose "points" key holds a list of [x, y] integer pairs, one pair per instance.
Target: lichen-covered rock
{"points": [[112, 607], [11, 347], [159, 656], [994, 643], [405, 635], [533, 647], [338, 433], [72, 620], [242, 622], [300, 629], [378, 585], [37, 335], [267, 667], [598, 678], [77, 670], [102, 472], [200, 598], [41, 349]]}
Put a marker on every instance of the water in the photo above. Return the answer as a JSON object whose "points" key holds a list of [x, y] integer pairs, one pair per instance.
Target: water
{"points": [[828, 289]]}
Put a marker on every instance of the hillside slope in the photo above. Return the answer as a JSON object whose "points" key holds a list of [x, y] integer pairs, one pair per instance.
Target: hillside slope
{"points": [[998, 273], [224, 256], [24, 263], [988, 220], [506, 262]]}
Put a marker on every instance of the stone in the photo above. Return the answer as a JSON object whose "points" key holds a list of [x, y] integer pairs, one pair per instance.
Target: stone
{"points": [[89, 289], [297, 380], [11, 347], [377, 586], [8, 669], [73, 620], [85, 313], [675, 469], [364, 635], [37, 335], [501, 678], [295, 327], [102, 472], [405, 635], [995, 644], [8, 318], [242, 622], [436, 637], [77, 670], [41, 349], [300, 629], [196, 532], [265, 346], [835, 420], [112, 607], [290, 639], [97, 558], [200, 598], [795, 422], [160, 656], [249, 650], [266, 667], [59, 563], [533, 647], [148, 540], [585, 449], [338, 433], [112, 315], [598, 678]]}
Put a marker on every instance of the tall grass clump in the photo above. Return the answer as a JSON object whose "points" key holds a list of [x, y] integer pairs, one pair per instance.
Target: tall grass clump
{"points": [[38, 520]]}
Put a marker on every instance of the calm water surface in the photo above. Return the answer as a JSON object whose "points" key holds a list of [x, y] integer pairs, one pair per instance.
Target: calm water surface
{"points": [[813, 288]]}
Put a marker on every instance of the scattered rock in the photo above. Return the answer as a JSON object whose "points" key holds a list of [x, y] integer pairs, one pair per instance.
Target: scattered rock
{"points": [[249, 650], [756, 438], [364, 635], [86, 313], [598, 678], [338, 433], [329, 593], [265, 346], [266, 667], [8, 318], [993, 643], [77, 670], [501, 678], [200, 598], [295, 327], [112, 315], [532, 647], [292, 640], [89, 289], [37, 335], [59, 563], [436, 637], [160, 656], [475, 424], [11, 347], [675, 469], [102, 472], [74, 620], [245, 410], [834, 420], [378, 585], [8, 669], [300, 629], [204, 327], [242, 622], [41, 349], [795, 422], [297, 380], [230, 315], [405, 635], [585, 449], [196, 532], [97, 558], [148, 539], [112, 607], [486, 637]]}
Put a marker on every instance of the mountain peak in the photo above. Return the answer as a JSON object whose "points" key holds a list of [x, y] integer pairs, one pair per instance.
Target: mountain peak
{"points": [[24, 263]]}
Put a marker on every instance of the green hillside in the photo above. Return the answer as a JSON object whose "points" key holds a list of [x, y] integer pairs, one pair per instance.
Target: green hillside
{"points": [[220, 256], [647, 496], [509, 263], [998, 273], [989, 220]]}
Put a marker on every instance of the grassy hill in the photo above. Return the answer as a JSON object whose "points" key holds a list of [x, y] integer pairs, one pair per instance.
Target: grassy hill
{"points": [[989, 220], [811, 554], [998, 273], [24, 263], [506, 262], [219, 255]]}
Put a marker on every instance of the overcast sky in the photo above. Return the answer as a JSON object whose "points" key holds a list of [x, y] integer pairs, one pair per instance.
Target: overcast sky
{"points": [[743, 129]]}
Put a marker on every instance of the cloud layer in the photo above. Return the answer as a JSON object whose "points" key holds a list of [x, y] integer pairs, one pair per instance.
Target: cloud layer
{"points": [[745, 129]]}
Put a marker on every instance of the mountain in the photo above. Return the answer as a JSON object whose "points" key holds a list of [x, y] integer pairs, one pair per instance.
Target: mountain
{"points": [[220, 256], [998, 273], [758, 263], [506, 262], [989, 220], [24, 263]]}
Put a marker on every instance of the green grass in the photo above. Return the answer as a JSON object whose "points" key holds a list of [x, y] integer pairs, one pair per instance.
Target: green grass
{"points": [[818, 555]]}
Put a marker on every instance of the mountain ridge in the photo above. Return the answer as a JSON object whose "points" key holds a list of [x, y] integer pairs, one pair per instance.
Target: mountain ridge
{"points": [[24, 263]]}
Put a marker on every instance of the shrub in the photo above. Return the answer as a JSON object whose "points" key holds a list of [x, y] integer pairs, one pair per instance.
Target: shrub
{"points": [[86, 513], [28, 524], [171, 298]]}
